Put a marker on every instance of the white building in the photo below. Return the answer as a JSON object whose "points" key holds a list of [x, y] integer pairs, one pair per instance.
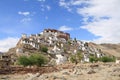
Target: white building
{"points": [[117, 61], [19, 50], [86, 58], [60, 59], [55, 49]]}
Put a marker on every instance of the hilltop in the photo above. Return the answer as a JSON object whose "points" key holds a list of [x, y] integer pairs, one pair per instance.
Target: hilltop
{"points": [[58, 46]]}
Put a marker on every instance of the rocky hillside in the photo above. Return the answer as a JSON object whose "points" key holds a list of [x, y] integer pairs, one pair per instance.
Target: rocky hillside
{"points": [[113, 49], [58, 46]]}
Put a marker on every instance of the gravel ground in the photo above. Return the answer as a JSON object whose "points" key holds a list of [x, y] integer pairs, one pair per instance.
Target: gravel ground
{"points": [[104, 71]]}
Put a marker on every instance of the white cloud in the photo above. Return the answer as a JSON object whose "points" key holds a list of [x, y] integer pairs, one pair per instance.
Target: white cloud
{"points": [[69, 4], [6, 44], [41, 0], [78, 2], [24, 20], [65, 28], [45, 7], [101, 18], [26, 16], [48, 7], [65, 5], [105, 20], [24, 13]]}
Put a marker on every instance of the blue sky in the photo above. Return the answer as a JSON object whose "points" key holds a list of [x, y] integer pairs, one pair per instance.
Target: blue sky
{"points": [[33, 16], [89, 20]]}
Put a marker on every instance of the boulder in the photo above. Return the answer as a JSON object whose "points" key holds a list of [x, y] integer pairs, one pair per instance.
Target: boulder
{"points": [[91, 72]]}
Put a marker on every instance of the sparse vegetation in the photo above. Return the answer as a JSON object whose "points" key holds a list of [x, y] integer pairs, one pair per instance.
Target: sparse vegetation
{"points": [[93, 59], [23, 60], [69, 42], [102, 59], [73, 59], [107, 59], [79, 56], [34, 59], [44, 49], [76, 58]]}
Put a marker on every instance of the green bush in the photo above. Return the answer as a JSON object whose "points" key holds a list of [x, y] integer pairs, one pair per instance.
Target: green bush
{"points": [[76, 57], [93, 59], [44, 49], [79, 56], [35, 59], [38, 59], [23, 60], [73, 59], [69, 42], [107, 59]]}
